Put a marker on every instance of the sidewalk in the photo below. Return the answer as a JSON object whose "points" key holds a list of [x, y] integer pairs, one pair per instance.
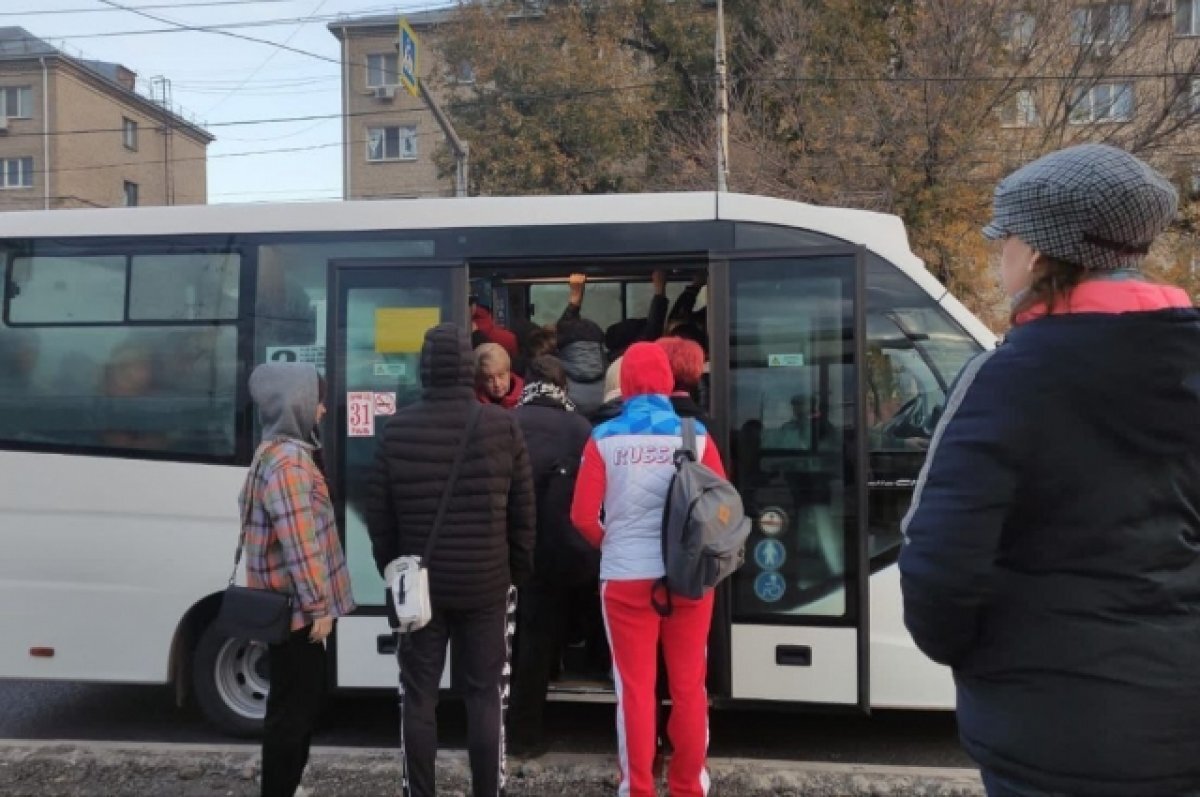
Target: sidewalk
{"points": [[119, 769]]}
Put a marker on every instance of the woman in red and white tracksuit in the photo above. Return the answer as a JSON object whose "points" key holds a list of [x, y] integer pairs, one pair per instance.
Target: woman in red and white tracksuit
{"points": [[627, 468]]}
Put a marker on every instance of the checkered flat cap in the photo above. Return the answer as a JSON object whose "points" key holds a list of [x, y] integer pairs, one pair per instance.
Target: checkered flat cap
{"points": [[1093, 205]]}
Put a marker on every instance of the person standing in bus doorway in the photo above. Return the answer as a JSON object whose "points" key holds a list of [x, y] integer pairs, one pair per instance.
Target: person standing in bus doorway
{"points": [[565, 566], [495, 383], [483, 550], [581, 350], [1052, 551], [292, 546], [625, 471]]}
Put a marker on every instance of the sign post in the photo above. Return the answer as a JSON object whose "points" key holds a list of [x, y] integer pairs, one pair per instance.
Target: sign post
{"points": [[407, 44]]}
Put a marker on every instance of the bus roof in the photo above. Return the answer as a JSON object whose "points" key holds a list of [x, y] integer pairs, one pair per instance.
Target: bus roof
{"points": [[881, 233]]}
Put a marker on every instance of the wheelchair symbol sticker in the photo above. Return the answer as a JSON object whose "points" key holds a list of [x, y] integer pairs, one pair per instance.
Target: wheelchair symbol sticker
{"points": [[770, 554], [769, 586]]}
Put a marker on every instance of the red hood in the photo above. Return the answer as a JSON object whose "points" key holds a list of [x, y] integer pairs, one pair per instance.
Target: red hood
{"points": [[646, 370], [485, 323], [1114, 296]]}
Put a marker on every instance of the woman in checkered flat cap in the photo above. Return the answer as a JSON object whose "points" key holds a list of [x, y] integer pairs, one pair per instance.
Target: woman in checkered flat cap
{"points": [[1052, 552]]}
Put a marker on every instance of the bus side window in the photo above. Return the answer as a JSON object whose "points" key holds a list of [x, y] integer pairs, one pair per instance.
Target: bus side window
{"points": [[169, 389]]}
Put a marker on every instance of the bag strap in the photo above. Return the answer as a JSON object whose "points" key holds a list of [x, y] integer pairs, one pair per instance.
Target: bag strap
{"points": [[251, 477], [476, 411], [688, 433], [666, 606]]}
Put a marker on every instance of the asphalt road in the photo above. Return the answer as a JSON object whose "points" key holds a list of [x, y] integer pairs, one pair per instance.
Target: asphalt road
{"points": [[51, 711]]}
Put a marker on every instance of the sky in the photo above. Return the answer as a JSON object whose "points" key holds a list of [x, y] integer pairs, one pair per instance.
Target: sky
{"points": [[219, 80]]}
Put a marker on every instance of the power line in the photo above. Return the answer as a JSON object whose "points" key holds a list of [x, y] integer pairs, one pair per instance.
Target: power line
{"points": [[208, 3], [263, 63], [565, 95], [181, 27], [220, 32]]}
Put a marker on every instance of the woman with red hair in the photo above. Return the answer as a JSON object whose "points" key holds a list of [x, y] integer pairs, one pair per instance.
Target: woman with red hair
{"points": [[687, 367]]}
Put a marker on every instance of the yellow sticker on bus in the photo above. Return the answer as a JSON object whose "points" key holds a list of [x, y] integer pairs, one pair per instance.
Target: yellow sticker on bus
{"points": [[401, 330]]}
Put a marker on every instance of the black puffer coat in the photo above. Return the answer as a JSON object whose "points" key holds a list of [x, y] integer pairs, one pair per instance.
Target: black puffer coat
{"points": [[556, 439], [486, 542]]}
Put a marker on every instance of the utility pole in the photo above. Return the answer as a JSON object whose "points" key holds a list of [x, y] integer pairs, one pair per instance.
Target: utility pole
{"points": [[462, 153], [722, 103]]}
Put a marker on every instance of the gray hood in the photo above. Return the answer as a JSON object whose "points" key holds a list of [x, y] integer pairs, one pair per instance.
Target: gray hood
{"points": [[583, 361], [287, 397]]}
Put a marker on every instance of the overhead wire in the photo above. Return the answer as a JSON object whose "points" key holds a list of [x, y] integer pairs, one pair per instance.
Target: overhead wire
{"points": [[202, 4], [263, 63], [566, 94]]}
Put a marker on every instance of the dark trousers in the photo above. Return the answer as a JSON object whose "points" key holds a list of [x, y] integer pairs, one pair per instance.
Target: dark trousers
{"points": [[293, 707], [481, 640], [541, 630]]}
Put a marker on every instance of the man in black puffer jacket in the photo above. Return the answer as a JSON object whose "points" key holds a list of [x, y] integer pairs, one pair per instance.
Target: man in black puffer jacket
{"points": [[484, 548], [567, 566]]}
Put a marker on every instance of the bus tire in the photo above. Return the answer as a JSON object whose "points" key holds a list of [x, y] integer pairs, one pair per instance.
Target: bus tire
{"points": [[230, 679]]}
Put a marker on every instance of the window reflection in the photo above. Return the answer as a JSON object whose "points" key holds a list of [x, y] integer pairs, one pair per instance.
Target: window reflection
{"points": [[793, 412], [166, 389]]}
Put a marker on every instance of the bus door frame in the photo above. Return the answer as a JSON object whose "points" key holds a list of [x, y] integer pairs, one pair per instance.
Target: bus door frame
{"points": [[340, 276], [719, 317]]}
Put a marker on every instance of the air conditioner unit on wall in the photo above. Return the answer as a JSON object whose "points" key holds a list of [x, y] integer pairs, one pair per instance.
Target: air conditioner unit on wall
{"points": [[1161, 8], [3, 124], [385, 92]]}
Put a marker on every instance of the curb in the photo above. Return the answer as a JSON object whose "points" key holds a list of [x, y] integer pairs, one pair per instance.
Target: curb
{"points": [[118, 769]]}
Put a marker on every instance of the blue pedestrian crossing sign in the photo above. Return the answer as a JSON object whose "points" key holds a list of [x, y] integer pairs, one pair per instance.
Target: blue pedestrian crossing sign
{"points": [[770, 554], [408, 58]]}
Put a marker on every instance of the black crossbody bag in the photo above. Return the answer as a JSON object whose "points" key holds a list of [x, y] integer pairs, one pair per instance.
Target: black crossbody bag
{"points": [[261, 615]]}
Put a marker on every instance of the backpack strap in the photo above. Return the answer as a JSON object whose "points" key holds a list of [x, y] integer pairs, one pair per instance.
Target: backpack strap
{"points": [[687, 431], [687, 450]]}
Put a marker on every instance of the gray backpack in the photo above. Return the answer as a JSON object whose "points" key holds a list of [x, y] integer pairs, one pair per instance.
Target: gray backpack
{"points": [[704, 527]]}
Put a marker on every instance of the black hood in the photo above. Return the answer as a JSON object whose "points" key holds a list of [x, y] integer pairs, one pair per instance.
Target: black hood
{"points": [[446, 358]]}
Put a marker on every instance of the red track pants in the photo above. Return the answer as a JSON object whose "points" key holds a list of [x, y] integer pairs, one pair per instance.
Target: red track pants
{"points": [[634, 632]]}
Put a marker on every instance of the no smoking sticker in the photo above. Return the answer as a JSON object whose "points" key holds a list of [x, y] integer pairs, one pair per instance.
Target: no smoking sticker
{"points": [[385, 403]]}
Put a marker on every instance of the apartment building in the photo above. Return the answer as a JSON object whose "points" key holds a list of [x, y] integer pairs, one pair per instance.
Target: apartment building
{"points": [[76, 133], [1125, 72], [389, 137], [1121, 71]]}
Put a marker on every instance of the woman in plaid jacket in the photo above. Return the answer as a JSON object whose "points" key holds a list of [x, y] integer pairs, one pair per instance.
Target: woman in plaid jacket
{"points": [[292, 546]]}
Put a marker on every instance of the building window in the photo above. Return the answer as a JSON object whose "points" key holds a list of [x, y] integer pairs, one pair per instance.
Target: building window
{"points": [[16, 102], [392, 143], [1187, 97], [18, 173], [1187, 17], [1103, 23], [1020, 110], [464, 74], [131, 194], [1019, 33], [1104, 102], [382, 70], [129, 130]]}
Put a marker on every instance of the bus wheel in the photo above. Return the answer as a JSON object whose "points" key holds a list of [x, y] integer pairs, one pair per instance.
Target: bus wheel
{"points": [[230, 679]]}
